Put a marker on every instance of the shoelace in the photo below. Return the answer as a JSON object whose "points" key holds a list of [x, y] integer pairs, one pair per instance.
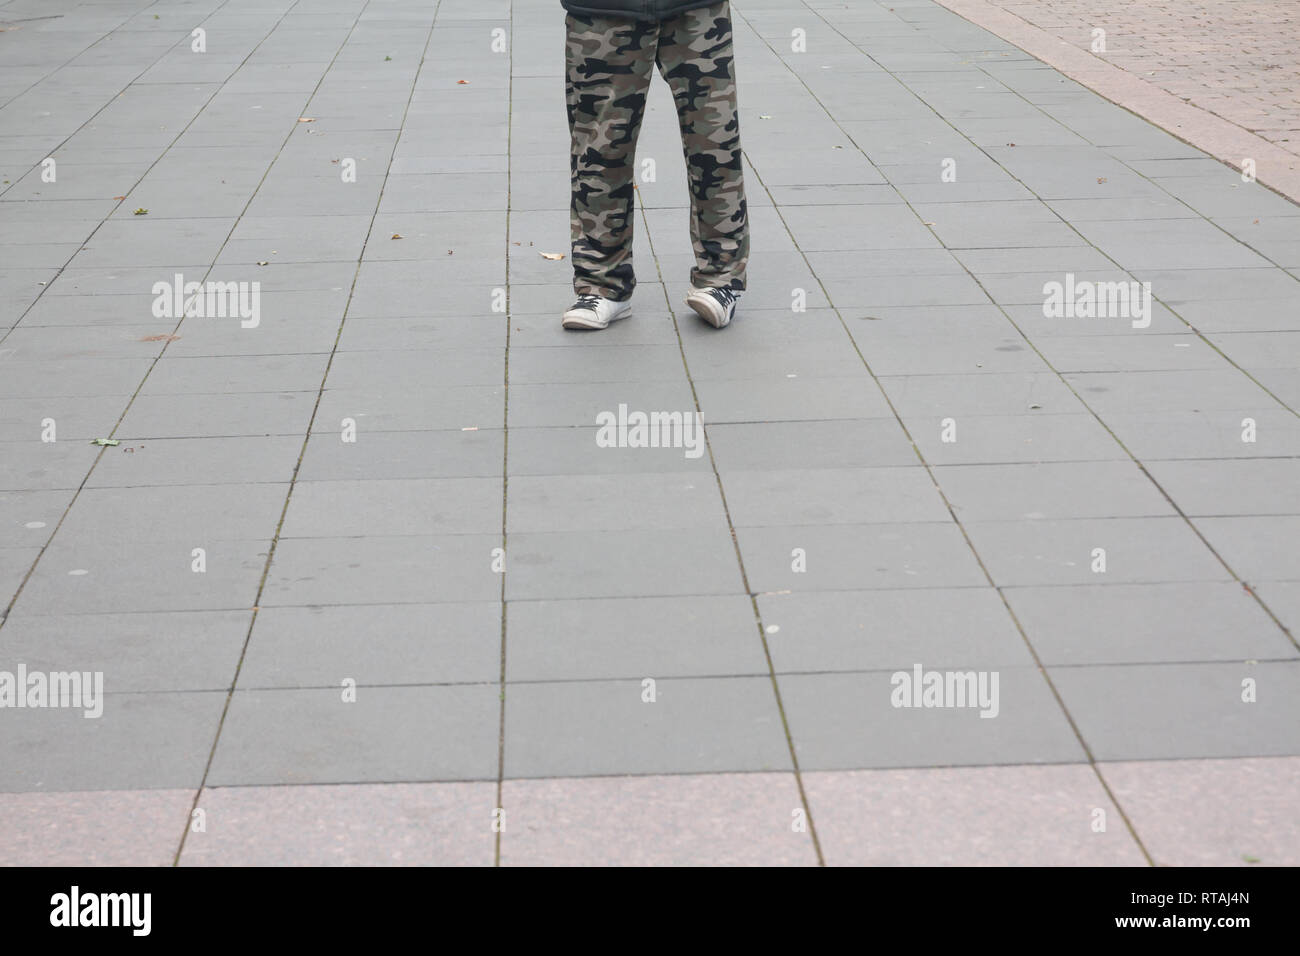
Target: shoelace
{"points": [[725, 296], [587, 301]]}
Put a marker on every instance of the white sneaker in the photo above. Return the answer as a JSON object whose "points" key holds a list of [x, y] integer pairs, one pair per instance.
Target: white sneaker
{"points": [[595, 312], [715, 306]]}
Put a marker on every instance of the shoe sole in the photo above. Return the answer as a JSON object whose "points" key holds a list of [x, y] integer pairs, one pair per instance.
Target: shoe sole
{"points": [[706, 309], [578, 320]]}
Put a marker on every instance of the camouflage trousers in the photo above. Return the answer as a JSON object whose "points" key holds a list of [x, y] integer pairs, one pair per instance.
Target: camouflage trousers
{"points": [[611, 61]]}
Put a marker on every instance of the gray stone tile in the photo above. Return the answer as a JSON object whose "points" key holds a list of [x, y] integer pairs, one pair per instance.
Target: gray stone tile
{"points": [[216, 415], [141, 741], [848, 443], [892, 356], [638, 563], [193, 515], [136, 652], [991, 439], [890, 629], [1146, 623], [366, 334], [1256, 548], [197, 461], [1131, 352], [1267, 486], [855, 557], [1137, 550], [630, 638], [1180, 711], [1040, 328], [83, 576], [410, 408], [1179, 391], [413, 454], [450, 643], [795, 398], [831, 496], [943, 396], [394, 506], [628, 502], [550, 732], [38, 465], [1096, 489], [1208, 434], [1257, 350], [230, 375], [70, 377], [1283, 599], [817, 228], [534, 406], [641, 363], [312, 736], [394, 569], [828, 713]]}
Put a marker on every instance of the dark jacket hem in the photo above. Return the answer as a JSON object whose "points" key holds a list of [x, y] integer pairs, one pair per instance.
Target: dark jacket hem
{"points": [[576, 6]]}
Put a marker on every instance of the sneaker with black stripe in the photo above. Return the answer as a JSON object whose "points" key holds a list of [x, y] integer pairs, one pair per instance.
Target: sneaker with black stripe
{"points": [[716, 306], [595, 312]]}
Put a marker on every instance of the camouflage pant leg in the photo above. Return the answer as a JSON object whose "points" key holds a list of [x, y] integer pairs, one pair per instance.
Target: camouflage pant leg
{"points": [[697, 59], [610, 62]]}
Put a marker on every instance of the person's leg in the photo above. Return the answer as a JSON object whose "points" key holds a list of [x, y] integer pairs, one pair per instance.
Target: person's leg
{"points": [[696, 58], [610, 62]]}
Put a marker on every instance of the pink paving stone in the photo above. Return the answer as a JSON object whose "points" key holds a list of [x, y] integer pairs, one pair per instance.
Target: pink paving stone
{"points": [[398, 824], [725, 819], [1238, 58], [1213, 812], [93, 828], [968, 816]]}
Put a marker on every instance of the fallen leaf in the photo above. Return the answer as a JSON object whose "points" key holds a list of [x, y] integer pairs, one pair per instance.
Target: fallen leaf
{"points": [[168, 337], [306, 119], [462, 82], [110, 442], [263, 262], [1101, 179], [765, 116], [397, 235], [553, 255], [119, 197], [142, 211]]}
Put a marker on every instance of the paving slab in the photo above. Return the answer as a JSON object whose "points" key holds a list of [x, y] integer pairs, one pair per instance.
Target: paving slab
{"points": [[93, 828], [705, 819], [968, 816], [1210, 812], [399, 478], [404, 824]]}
